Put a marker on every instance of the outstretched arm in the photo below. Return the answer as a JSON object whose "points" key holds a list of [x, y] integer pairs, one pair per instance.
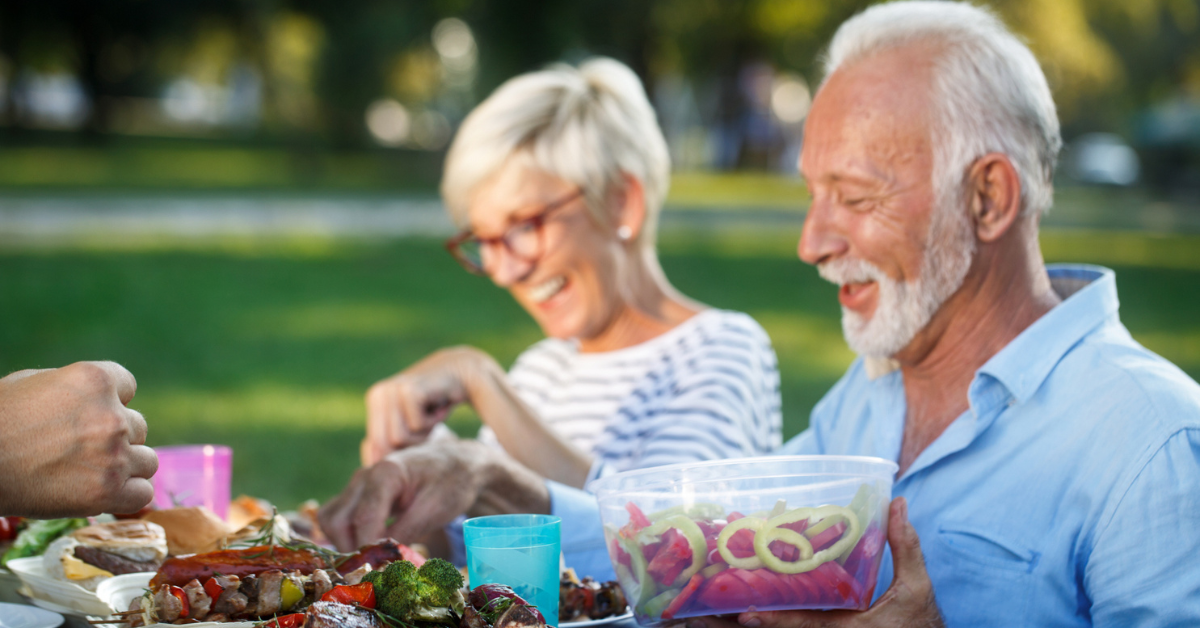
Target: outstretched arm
{"points": [[403, 410]]}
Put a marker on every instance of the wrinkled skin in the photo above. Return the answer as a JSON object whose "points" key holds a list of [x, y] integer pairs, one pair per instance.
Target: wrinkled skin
{"points": [[421, 489], [71, 447]]}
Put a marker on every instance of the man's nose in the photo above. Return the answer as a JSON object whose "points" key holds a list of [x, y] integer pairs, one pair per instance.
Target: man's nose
{"points": [[820, 240]]}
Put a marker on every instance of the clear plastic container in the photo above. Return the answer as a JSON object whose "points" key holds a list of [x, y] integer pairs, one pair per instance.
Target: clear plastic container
{"points": [[783, 532]]}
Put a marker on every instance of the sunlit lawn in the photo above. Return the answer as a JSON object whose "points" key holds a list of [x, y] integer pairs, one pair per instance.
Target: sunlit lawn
{"points": [[268, 345]]}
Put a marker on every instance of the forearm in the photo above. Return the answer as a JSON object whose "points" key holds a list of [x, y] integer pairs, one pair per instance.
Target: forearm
{"points": [[528, 439]]}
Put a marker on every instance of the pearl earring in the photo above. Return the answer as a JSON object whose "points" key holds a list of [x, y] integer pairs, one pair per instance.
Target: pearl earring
{"points": [[624, 232]]}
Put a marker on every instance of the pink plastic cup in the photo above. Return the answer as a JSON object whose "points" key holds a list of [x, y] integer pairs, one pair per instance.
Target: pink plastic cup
{"points": [[194, 475]]}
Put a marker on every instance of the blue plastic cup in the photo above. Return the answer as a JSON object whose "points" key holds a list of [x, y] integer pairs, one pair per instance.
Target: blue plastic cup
{"points": [[521, 551]]}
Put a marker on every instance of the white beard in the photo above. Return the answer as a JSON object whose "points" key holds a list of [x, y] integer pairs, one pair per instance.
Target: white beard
{"points": [[905, 308]]}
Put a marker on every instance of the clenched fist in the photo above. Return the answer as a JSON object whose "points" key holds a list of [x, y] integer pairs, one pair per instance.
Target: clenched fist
{"points": [[70, 445]]}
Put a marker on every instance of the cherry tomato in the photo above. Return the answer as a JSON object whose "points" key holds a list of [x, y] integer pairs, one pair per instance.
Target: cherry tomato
{"points": [[359, 594], [295, 620], [10, 527]]}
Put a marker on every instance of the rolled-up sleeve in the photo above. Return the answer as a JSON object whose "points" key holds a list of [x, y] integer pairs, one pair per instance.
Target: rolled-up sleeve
{"points": [[582, 531]]}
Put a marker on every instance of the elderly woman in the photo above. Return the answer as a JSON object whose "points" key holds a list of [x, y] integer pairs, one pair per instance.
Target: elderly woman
{"points": [[557, 180]]}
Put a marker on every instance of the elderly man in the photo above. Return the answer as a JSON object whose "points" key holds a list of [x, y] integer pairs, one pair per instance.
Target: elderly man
{"points": [[1051, 463]]}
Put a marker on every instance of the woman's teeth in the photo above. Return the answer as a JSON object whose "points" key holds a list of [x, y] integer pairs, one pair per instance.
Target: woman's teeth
{"points": [[547, 289]]}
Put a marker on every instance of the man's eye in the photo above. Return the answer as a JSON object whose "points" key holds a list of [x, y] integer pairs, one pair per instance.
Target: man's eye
{"points": [[854, 202]]}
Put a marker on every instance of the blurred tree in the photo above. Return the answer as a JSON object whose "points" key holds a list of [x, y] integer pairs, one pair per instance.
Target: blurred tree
{"points": [[323, 62]]}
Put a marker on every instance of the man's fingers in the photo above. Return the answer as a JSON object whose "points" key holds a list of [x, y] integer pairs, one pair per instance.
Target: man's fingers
{"points": [[143, 462], [135, 426], [122, 380], [908, 561], [381, 490], [421, 517], [334, 516], [137, 492]]}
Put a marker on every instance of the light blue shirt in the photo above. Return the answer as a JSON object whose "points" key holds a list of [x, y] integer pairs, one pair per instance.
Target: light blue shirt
{"points": [[1067, 495]]}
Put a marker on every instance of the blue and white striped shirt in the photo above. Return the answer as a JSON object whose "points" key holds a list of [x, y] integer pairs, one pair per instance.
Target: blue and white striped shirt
{"points": [[707, 389]]}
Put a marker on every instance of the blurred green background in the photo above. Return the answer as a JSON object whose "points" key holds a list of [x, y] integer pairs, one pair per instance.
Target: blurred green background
{"points": [[236, 199]]}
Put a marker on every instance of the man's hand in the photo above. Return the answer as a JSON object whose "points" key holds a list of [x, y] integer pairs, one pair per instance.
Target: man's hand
{"points": [[403, 409], [70, 446], [418, 490], [908, 603]]}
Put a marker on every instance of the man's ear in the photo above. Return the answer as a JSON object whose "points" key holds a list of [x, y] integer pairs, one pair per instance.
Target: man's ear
{"points": [[630, 207], [995, 195]]}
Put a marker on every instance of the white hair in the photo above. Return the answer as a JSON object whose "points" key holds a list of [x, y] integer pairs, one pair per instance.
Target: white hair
{"points": [[590, 125], [989, 93]]}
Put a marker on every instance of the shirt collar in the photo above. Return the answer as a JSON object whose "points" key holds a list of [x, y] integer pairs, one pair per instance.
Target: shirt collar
{"points": [[1089, 296]]}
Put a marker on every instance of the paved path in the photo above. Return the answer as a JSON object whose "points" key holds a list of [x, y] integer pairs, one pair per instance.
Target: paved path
{"points": [[41, 218]]}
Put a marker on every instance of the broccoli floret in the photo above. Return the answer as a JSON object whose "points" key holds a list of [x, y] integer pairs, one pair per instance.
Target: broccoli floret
{"points": [[429, 594], [441, 584]]}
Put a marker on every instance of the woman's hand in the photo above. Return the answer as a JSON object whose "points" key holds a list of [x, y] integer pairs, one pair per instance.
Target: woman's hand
{"points": [[403, 409]]}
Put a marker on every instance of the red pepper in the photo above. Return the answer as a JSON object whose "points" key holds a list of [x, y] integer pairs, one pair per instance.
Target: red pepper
{"points": [[213, 589], [182, 597], [295, 620], [686, 594], [637, 521], [674, 555], [8, 531], [358, 594]]}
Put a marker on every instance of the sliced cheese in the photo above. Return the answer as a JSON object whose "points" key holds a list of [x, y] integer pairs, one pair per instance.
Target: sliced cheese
{"points": [[75, 569]]}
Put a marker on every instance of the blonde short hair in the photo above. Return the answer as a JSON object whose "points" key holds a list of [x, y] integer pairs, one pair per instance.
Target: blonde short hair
{"points": [[590, 125]]}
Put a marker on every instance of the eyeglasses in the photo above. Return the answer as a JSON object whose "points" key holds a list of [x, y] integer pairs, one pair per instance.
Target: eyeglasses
{"points": [[523, 240]]}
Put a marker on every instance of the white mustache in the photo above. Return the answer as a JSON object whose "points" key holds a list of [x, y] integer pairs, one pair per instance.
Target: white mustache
{"points": [[848, 270]]}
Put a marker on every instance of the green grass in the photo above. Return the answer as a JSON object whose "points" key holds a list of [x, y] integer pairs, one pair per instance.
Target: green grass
{"points": [[147, 165], [269, 345]]}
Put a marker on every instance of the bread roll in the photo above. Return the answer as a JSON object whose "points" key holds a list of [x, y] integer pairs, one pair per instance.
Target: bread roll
{"points": [[191, 530]]}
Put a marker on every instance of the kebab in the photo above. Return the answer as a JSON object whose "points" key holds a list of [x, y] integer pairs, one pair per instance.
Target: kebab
{"points": [[581, 600], [256, 582]]}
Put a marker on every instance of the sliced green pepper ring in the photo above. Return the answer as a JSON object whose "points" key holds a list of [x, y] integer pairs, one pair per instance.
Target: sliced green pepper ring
{"points": [[690, 531], [827, 516], [745, 523], [762, 548], [636, 573]]}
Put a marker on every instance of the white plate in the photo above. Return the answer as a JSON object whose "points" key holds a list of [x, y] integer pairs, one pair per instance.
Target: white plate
{"points": [[21, 616], [119, 591], [76, 599], [599, 622]]}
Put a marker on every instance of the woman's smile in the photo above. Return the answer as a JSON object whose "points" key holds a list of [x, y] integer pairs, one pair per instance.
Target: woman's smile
{"points": [[545, 290]]}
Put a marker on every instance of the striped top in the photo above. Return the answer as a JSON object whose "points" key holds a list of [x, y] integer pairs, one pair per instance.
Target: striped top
{"points": [[706, 389]]}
